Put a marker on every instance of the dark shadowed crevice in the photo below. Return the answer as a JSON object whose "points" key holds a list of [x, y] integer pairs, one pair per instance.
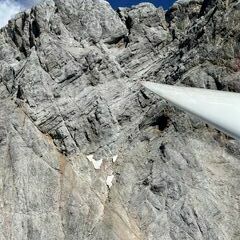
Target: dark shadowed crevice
{"points": [[206, 6], [157, 189], [162, 149], [185, 43], [129, 24], [23, 50], [219, 85], [14, 38], [169, 16], [35, 29], [24, 19], [20, 93], [34, 32], [162, 122], [115, 40], [127, 20]]}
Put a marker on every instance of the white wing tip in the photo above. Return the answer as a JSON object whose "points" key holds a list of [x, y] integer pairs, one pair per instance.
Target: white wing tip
{"points": [[147, 84]]}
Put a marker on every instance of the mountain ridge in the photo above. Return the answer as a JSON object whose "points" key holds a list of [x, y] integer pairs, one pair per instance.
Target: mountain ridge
{"points": [[70, 89]]}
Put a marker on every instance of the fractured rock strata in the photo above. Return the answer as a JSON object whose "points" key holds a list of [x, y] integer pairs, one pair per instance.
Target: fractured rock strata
{"points": [[69, 89]]}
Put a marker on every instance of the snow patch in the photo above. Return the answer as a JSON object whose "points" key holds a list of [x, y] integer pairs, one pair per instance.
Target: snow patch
{"points": [[109, 181], [114, 159], [96, 163]]}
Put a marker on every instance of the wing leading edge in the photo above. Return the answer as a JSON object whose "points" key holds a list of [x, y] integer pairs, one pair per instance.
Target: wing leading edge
{"points": [[218, 108]]}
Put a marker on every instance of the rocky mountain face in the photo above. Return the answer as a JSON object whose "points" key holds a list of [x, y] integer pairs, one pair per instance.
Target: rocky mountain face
{"points": [[86, 152]]}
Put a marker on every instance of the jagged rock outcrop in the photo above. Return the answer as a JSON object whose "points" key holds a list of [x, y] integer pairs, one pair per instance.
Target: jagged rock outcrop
{"points": [[86, 152]]}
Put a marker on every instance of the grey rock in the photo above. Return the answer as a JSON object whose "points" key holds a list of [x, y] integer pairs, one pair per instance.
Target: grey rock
{"points": [[69, 88]]}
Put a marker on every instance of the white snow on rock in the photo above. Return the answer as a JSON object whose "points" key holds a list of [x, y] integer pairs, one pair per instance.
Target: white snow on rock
{"points": [[96, 163], [109, 181], [115, 158]]}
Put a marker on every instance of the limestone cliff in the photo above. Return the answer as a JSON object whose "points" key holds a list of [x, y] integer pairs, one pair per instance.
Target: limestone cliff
{"points": [[86, 152]]}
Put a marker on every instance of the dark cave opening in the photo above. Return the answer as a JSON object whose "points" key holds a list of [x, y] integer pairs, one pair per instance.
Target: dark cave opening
{"points": [[162, 122]]}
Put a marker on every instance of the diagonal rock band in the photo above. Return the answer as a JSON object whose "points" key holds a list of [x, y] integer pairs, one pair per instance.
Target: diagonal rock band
{"points": [[218, 108]]}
